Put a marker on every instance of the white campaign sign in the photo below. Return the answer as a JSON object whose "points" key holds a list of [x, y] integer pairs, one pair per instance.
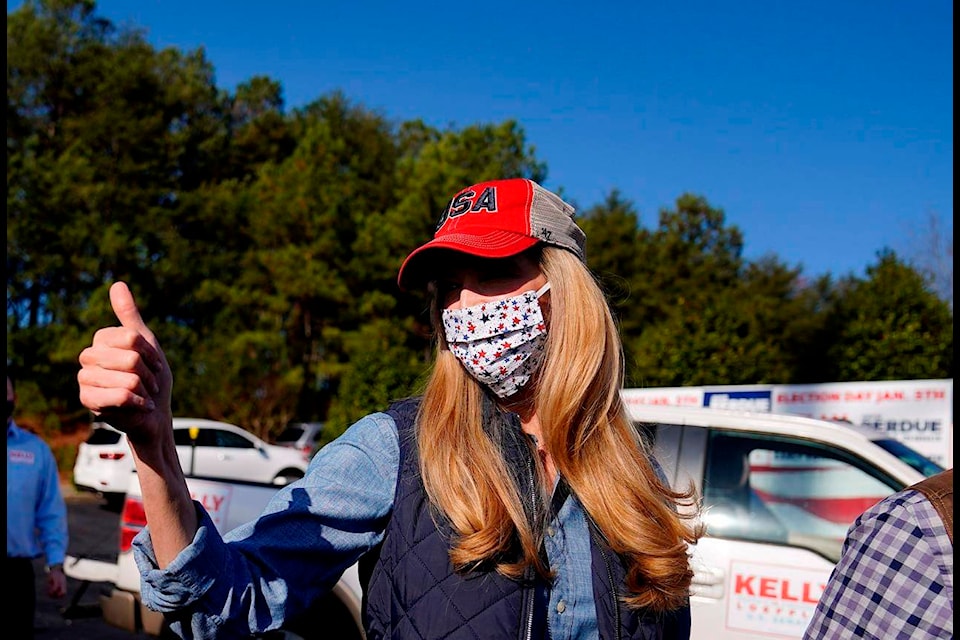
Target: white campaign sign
{"points": [[215, 498], [773, 600], [674, 396], [918, 413]]}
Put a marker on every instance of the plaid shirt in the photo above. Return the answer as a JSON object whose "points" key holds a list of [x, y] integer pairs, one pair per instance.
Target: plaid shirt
{"points": [[894, 579]]}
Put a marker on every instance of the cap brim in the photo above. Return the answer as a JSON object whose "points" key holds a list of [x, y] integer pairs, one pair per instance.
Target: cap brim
{"points": [[415, 270]]}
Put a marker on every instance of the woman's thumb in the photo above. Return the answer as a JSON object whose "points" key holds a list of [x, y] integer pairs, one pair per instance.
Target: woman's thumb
{"points": [[127, 312]]}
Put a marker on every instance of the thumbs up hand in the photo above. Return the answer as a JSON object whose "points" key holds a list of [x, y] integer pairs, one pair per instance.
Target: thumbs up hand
{"points": [[124, 376]]}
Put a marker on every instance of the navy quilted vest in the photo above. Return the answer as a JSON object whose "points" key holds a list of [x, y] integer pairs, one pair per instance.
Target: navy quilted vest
{"points": [[412, 591]]}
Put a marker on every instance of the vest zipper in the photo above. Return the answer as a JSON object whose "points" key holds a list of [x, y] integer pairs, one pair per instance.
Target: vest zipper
{"points": [[530, 596], [598, 539], [613, 592]]}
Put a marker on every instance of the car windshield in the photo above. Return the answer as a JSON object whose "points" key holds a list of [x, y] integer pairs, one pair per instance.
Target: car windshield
{"points": [[915, 459]]}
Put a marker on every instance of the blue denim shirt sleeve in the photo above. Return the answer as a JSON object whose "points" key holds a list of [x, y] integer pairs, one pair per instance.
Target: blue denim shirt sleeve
{"points": [[254, 577]]}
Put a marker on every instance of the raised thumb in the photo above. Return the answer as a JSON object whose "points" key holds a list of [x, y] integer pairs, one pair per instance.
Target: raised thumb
{"points": [[127, 312]]}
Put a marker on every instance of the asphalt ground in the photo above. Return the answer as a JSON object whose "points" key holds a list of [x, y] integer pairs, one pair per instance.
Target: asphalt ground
{"points": [[77, 616]]}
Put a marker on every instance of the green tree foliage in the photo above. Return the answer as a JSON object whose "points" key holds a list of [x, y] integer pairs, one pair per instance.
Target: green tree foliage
{"points": [[263, 246], [381, 369], [691, 310], [102, 132], [613, 233], [686, 265], [890, 326]]}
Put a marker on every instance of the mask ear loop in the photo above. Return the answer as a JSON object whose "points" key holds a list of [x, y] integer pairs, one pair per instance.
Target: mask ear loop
{"points": [[542, 290]]}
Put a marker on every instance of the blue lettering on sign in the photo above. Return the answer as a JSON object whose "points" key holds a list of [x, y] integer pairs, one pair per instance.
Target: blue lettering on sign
{"points": [[740, 400]]}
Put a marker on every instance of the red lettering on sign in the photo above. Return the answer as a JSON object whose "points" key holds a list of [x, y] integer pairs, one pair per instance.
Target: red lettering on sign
{"points": [[777, 589], [785, 591], [808, 396], [215, 503], [768, 587], [211, 502], [744, 584], [808, 592]]}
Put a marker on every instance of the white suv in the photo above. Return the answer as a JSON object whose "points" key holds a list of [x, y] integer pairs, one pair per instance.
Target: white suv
{"points": [[103, 463], [779, 493], [206, 448]]}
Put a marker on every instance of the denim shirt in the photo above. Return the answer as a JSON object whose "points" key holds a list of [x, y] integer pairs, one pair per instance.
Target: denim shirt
{"points": [[312, 530]]}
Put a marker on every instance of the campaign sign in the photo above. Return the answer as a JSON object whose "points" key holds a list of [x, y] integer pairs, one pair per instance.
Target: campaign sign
{"points": [[672, 396], [215, 498], [918, 413], [758, 400], [774, 600]]}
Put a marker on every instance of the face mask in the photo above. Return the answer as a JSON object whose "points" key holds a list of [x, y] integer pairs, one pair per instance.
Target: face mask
{"points": [[500, 343]]}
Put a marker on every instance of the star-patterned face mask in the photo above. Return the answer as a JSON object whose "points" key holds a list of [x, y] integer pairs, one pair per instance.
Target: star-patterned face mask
{"points": [[501, 343]]}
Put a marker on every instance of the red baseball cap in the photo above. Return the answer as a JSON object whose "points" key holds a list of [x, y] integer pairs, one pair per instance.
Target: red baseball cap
{"points": [[497, 219]]}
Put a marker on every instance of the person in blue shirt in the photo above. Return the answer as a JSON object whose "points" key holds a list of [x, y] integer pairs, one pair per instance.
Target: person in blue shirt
{"points": [[512, 498], [36, 523]]}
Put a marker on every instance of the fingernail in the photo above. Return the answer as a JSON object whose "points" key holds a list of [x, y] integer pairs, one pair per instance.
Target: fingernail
{"points": [[156, 388], [149, 405]]}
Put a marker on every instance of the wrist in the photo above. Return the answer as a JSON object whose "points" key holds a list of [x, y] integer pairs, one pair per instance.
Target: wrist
{"points": [[53, 567]]}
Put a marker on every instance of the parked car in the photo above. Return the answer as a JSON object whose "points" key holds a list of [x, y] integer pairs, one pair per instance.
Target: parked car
{"points": [[778, 495], [303, 436], [206, 448], [104, 463]]}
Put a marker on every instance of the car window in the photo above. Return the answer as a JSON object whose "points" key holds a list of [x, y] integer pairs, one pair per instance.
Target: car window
{"points": [[213, 438], [229, 439], [915, 459], [104, 436], [775, 489], [181, 437], [205, 437]]}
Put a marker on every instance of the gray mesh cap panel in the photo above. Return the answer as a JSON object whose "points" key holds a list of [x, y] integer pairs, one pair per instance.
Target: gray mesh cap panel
{"points": [[551, 221]]}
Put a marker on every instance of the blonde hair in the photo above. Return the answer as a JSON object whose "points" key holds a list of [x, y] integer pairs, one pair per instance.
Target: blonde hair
{"points": [[586, 431]]}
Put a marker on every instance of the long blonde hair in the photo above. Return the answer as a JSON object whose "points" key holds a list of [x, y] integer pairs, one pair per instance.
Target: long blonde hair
{"points": [[586, 431]]}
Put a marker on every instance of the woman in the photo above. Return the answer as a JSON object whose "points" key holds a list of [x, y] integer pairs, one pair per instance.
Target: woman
{"points": [[513, 498]]}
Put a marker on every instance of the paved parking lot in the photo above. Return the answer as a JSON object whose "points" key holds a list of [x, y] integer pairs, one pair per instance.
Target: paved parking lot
{"points": [[93, 534]]}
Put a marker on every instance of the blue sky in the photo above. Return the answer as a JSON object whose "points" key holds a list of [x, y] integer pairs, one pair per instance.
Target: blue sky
{"points": [[824, 130]]}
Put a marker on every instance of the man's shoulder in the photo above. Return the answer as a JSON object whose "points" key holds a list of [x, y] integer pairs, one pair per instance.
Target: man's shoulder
{"points": [[936, 486], [908, 510], [24, 437]]}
